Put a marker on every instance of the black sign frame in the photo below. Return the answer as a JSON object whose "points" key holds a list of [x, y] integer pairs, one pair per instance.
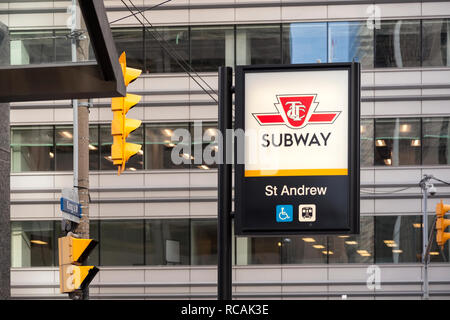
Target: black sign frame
{"points": [[242, 225]]}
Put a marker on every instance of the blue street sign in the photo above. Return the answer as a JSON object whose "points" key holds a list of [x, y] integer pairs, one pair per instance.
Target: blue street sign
{"points": [[71, 207]]}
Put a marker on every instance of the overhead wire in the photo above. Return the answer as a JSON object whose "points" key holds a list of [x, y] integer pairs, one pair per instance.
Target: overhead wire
{"points": [[173, 54], [375, 192], [130, 15]]}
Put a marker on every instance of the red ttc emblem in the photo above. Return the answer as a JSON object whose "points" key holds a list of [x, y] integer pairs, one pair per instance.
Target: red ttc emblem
{"points": [[296, 111]]}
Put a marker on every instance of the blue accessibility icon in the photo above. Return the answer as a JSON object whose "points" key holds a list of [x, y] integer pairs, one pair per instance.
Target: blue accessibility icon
{"points": [[285, 213]]}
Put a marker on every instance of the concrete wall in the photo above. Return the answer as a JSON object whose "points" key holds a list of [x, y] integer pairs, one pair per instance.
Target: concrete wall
{"points": [[5, 237]]}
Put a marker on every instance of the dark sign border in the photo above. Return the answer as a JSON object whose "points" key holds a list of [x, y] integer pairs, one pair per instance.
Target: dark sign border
{"points": [[82, 80], [354, 86]]}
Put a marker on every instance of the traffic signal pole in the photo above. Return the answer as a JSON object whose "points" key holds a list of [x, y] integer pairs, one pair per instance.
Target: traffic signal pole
{"points": [[224, 243], [80, 52], [425, 185]]}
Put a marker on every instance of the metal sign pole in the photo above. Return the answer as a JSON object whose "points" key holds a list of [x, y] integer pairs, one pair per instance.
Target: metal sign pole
{"points": [[224, 236]]}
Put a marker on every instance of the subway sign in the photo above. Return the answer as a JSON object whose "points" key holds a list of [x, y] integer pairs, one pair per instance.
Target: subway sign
{"points": [[297, 163]]}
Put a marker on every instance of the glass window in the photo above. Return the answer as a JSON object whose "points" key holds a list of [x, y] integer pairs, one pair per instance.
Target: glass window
{"points": [[436, 141], [366, 151], [167, 242], [350, 41], [94, 152], [159, 42], [398, 239], [435, 42], [304, 249], [32, 244], [32, 149], [397, 142], [122, 242], [258, 250], [63, 46], [353, 248], [94, 257], [106, 141], [204, 242], [212, 47], [305, 42], [136, 162], [258, 44], [159, 145], [32, 47], [398, 44], [131, 41], [64, 148]]}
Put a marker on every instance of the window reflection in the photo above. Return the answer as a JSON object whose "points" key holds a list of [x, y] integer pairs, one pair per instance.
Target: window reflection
{"points": [[32, 244], [94, 150], [106, 140], [436, 138], [354, 248], [304, 249], [305, 42], [159, 42], [350, 41], [212, 47], [32, 47], [258, 250], [258, 44], [435, 42], [398, 44], [397, 142], [122, 242], [382, 239], [204, 242], [32, 149], [159, 145], [167, 242], [398, 239], [130, 40], [64, 148], [367, 148]]}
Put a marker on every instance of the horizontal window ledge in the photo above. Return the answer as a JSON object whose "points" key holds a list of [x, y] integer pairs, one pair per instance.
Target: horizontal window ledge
{"points": [[188, 103], [214, 6], [237, 284], [368, 293], [394, 196]]}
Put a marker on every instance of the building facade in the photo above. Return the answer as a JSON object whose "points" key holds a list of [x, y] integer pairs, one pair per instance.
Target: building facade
{"points": [[156, 223]]}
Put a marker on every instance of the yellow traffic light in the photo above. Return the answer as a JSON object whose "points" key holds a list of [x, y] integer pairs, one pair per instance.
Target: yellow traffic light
{"points": [[72, 253], [442, 224], [121, 126]]}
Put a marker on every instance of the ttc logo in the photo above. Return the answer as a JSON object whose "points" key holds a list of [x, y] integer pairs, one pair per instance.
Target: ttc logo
{"points": [[296, 111]]}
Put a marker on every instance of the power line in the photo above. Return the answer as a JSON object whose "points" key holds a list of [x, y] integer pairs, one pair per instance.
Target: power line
{"points": [[172, 54], [180, 60], [140, 11], [375, 192], [444, 182]]}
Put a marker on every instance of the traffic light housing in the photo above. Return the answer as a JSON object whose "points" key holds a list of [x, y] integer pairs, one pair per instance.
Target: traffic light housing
{"points": [[73, 252], [121, 126], [442, 224]]}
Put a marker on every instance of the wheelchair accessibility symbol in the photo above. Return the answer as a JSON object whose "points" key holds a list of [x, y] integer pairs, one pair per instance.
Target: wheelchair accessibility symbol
{"points": [[285, 213]]}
